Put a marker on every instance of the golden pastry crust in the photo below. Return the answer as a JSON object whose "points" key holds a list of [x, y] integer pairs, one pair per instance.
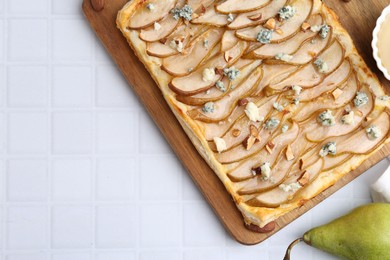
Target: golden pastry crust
{"points": [[253, 214]]}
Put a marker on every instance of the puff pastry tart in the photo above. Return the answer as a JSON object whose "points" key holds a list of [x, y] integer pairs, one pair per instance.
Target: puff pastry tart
{"points": [[272, 93]]}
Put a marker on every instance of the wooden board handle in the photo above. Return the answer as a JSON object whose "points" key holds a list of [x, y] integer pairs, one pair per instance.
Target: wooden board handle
{"points": [[98, 5]]}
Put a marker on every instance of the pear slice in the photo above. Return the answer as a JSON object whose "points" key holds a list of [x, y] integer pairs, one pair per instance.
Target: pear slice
{"points": [[142, 17], [309, 75], [359, 143], [328, 102], [228, 41], [256, 17], [183, 63], [307, 52], [331, 82], [339, 129], [239, 152], [197, 4], [240, 6], [211, 18], [277, 196], [291, 45], [243, 170], [193, 83], [214, 94], [242, 124], [334, 161], [168, 25], [288, 28], [160, 50], [224, 107]]}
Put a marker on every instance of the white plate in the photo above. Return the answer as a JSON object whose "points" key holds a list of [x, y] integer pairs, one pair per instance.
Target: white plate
{"points": [[374, 43]]}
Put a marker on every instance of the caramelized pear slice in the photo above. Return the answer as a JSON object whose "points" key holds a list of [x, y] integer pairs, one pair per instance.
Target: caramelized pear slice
{"points": [[183, 63], [339, 128], [360, 143], [331, 82], [309, 74], [240, 6], [243, 171], [168, 24], [193, 83], [328, 102], [198, 4], [214, 94], [288, 28], [160, 50], [334, 161], [211, 18], [143, 17], [291, 45], [224, 107], [229, 39], [277, 196], [256, 17]]}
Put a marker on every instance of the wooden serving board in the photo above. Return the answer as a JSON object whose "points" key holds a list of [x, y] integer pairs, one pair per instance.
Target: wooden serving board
{"points": [[357, 16]]}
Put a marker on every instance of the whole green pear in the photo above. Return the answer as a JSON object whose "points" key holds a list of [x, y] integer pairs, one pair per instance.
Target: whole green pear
{"points": [[362, 234]]}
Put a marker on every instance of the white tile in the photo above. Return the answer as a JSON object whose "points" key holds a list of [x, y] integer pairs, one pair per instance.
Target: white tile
{"points": [[2, 183], [2, 132], [329, 209], [25, 256], [72, 227], [35, 30], [115, 179], [189, 190], [27, 132], [151, 139], [116, 226], [2, 38], [250, 253], [101, 54], [112, 89], [27, 227], [164, 216], [204, 254], [160, 255], [3, 83], [117, 132], [117, 255], [1, 227], [69, 7], [71, 179], [27, 6], [27, 180], [160, 178], [201, 226], [72, 40], [72, 86], [72, 132], [71, 256], [29, 90], [2, 6]]}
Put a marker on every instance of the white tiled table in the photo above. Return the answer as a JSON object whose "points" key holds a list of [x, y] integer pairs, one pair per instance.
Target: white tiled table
{"points": [[85, 174]]}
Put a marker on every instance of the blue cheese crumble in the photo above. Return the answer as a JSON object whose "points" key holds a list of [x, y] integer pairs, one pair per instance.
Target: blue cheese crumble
{"points": [[329, 148], [297, 90], [373, 132], [271, 123], [278, 107], [322, 66], [220, 86], [361, 99], [232, 73], [290, 187], [348, 119], [284, 128], [208, 107], [283, 57], [185, 12], [264, 36], [324, 31], [230, 18], [326, 118], [287, 12], [150, 7], [296, 101]]}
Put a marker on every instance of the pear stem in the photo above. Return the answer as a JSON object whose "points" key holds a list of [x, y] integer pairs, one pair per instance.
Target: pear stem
{"points": [[288, 251]]}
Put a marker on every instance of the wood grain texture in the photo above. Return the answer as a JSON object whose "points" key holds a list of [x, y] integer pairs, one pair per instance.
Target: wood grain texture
{"points": [[358, 17]]}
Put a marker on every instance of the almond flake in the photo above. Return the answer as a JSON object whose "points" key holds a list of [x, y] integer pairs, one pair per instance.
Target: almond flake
{"points": [[254, 131], [305, 26], [249, 142], [270, 24], [289, 153], [255, 17], [243, 102], [304, 179], [279, 31], [219, 71], [336, 93], [227, 57]]}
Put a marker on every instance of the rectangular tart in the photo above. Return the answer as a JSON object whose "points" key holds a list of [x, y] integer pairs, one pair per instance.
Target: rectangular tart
{"points": [[272, 93]]}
